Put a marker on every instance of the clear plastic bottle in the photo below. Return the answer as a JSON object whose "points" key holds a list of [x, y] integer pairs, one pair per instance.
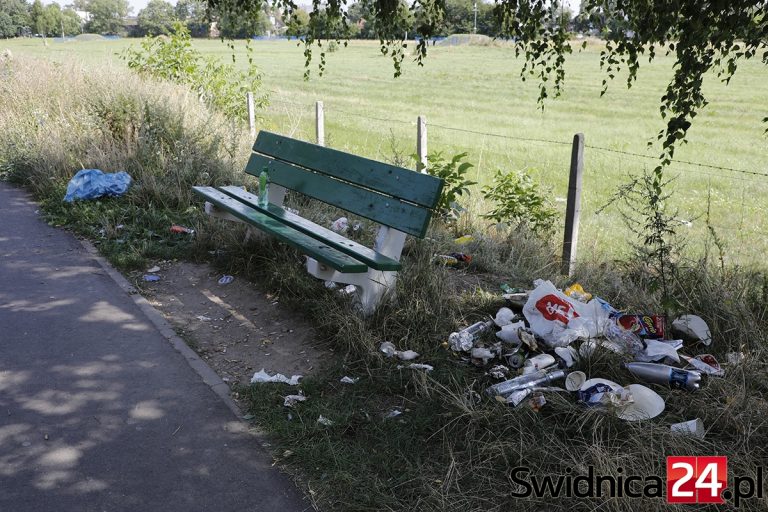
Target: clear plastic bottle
{"points": [[529, 380], [464, 340], [264, 188]]}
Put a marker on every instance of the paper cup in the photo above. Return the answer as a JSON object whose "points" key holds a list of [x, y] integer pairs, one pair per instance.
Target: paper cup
{"points": [[574, 380], [692, 427]]}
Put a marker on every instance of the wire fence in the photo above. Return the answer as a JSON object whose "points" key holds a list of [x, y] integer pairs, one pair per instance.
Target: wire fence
{"points": [[735, 197]]}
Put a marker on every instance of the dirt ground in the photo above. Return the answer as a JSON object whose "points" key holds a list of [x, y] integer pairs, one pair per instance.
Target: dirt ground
{"points": [[235, 327]]}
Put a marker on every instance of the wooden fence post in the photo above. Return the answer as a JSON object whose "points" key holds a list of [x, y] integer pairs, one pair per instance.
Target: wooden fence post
{"points": [[251, 114], [573, 208], [320, 123], [421, 144]]}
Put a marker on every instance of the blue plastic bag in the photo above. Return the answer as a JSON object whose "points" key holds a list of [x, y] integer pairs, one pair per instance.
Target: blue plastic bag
{"points": [[92, 183]]}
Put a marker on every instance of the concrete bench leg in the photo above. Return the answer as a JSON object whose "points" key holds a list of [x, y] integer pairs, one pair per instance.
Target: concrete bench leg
{"points": [[373, 286]]}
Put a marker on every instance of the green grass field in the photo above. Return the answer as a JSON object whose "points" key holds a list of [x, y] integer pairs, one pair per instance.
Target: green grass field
{"points": [[478, 89]]}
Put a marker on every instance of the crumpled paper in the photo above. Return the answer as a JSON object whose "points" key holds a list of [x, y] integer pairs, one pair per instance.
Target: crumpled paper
{"points": [[262, 376]]}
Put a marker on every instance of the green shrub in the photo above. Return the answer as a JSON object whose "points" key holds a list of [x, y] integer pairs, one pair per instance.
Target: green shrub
{"points": [[518, 201], [218, 84], [454, 172]]}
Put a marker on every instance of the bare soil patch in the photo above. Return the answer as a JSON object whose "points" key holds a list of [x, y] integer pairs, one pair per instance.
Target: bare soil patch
{"points": [[237, 328]]}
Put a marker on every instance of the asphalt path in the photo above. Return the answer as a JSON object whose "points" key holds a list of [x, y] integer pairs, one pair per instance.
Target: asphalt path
{"points": [[98, 411]]}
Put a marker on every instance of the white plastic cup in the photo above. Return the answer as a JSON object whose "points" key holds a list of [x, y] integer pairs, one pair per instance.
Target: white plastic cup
{"points": [[692, 427], [574, 380]]}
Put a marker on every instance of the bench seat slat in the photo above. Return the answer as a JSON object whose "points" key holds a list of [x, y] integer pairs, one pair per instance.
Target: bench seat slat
{"points": [[305, 243], [405, 217], [367, 255], [388, 179]]}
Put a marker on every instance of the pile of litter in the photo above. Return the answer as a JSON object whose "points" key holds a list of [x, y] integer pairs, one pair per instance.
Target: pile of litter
{"points": [[546, 333], [552, 330]]}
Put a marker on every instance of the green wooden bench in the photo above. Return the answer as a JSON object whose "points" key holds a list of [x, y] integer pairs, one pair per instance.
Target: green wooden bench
{"points": [[398, 199]]}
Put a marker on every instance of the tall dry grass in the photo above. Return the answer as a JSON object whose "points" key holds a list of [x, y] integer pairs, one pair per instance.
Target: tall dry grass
{"points": [[56, 119]]}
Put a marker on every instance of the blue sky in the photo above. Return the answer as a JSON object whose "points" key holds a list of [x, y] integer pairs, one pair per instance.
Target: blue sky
{"points": [[137, 5]]}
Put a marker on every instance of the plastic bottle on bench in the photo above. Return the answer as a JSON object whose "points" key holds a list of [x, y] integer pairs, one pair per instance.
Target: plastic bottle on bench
{"points": [[264, 188]]}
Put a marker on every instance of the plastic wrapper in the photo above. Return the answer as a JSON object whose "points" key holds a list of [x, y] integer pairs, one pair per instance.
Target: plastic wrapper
{"points": [[644, 326], [575, 291], [340, 225], [657, 350], [93, 183], [291, 400], [261, 377], [706, 363], [482, 354], [504, 316], [510, 333]]}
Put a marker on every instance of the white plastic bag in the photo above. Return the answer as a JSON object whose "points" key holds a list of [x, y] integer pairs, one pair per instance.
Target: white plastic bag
{"points": [[560, 320]]}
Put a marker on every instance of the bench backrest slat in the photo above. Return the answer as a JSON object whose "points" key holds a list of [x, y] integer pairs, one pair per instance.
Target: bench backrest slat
{"points": [[387, 179], [406, 217]]}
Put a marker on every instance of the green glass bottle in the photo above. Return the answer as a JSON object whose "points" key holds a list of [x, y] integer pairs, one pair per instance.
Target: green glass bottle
{"points": [[264, 188]]}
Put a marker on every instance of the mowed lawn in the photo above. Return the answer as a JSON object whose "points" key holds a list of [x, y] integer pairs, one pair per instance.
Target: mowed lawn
{"points": [[478, 89]]}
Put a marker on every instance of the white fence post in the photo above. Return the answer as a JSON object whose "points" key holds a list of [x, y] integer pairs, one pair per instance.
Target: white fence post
{"points": [[320, 123], [421, 143], [573, 207]]}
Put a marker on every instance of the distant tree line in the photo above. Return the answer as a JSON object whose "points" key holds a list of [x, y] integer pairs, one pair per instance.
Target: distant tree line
{"points": [[18, 17]]}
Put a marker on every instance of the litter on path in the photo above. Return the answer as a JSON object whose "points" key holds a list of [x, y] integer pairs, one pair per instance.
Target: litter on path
{"points": [[291, 400], [262, 376]]}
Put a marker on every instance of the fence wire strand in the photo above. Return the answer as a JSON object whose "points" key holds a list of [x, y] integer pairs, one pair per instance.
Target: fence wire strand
{"points": [[701, 165]]}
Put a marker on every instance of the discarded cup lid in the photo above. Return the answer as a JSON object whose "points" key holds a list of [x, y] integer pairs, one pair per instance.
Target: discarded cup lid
{"points": [[575, 380], [225, 279], [646, 404], [151, 278], [153, 269]]}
